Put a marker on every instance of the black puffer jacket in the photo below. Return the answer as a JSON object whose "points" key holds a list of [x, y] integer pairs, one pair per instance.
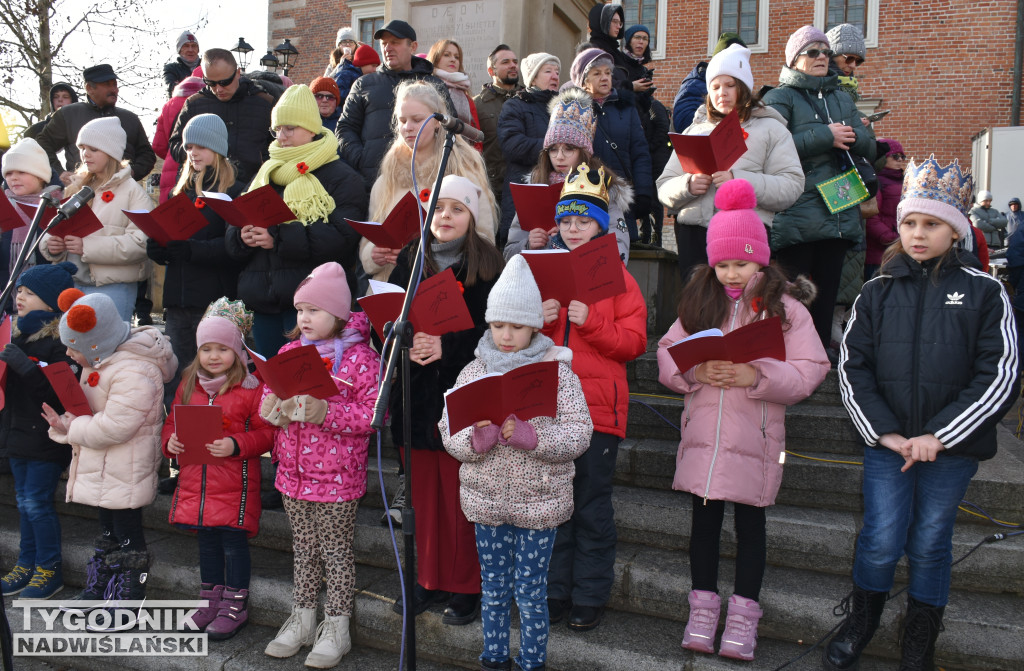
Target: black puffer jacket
{"points": [[364, 131], [174, 72], [23, 431], [620, 142], [931, 352], [521, 128], [430, 382], [247, 116], [267, 282], [209, 272]]}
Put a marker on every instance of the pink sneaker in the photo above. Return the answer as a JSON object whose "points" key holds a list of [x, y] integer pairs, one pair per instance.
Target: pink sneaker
{"points": [[703, 623], [739, 640]]}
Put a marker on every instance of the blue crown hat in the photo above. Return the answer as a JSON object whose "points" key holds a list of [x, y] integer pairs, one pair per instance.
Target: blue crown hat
{"points": [[944, 192]]}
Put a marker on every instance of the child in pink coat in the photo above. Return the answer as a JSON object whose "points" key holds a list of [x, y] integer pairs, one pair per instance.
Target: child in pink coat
{"points": [[733, 428], [321, 451]]}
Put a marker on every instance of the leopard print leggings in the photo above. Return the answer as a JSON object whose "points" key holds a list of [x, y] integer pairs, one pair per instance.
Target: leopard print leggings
{"points": [[322, 539]]}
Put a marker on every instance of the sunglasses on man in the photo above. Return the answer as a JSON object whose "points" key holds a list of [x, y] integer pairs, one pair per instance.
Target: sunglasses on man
{"points": [[220, 82], [852, 59]]}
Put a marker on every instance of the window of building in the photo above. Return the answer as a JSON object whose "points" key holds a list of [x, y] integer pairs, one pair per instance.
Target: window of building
{"points": [[650, 13], [367, 27], [861, 13], [749, 18], [367, 18]]}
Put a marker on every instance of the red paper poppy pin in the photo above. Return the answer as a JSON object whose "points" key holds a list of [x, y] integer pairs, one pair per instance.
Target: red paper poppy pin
{"points": [[424, 195], [302, 168], [757, 305], [745, 133], [226, 423], [328, 364], [200, 203], [93, 379], [107, 196], [462, 289]]}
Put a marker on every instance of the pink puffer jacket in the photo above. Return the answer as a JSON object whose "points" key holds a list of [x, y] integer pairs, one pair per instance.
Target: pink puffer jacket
{"points": [[327, 462], [732, 441]]}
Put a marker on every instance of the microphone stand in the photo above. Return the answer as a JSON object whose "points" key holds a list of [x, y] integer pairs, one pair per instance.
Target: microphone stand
{"points": [[399, 342], [32, 240]]}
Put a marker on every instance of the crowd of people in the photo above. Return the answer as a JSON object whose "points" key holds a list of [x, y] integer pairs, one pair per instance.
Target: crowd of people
{"points": [[522, 509]]}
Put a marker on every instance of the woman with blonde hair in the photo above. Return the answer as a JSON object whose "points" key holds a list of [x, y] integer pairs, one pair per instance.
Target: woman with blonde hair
{"points": [[415, 101]]}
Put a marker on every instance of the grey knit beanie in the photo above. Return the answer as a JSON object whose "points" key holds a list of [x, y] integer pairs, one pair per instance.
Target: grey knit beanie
{"points": [[515, 298], [183, 39], [846, 38], [532, 64], [106, 135], [91, 325], [207, 130], [345, 33]]}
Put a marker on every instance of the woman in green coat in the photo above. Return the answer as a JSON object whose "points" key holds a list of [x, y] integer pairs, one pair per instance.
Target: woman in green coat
{"points": [[806, 238]]}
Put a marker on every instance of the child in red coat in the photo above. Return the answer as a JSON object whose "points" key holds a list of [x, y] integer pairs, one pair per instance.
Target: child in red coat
{"points": [[222, 501]]}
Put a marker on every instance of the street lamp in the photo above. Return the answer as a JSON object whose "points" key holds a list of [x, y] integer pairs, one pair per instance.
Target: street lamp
{"points": [[270, 62], [243, 49], [287, 55]]}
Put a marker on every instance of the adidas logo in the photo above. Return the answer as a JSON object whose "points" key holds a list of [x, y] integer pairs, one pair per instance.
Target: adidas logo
{"points": [[954, 298]]}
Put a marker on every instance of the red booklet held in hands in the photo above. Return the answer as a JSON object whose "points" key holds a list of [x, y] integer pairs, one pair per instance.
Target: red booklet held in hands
{"points": [[758, 340], [175, 219], [80, 224], [195, 426], [437, 308], [535, 204], [401, 225], [261, 208], [298, 371], [708, 154], [526, 392], [30, 211], [69, 390], [10, 217], [589, 273]]}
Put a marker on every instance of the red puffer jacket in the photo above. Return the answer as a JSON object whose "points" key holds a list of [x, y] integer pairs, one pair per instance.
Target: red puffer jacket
{"points": [[227, 494], [614, 334]]}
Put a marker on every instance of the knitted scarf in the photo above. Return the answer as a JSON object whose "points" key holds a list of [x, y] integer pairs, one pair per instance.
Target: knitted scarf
{"points": [[447, 254], [458, 90], [497, 361], [303, 192], [335, 347]]}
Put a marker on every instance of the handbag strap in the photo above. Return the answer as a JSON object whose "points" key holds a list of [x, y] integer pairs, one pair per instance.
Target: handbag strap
{"points": [[615, 148], [828, 116]]}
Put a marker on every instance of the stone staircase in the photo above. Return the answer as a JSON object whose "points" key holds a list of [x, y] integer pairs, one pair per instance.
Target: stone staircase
{"points": [[811, 536]]}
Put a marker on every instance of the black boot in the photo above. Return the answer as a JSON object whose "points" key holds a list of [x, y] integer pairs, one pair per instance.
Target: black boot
{"points": [[863, 612], [98, 576], [920, 628], [131, 572]]}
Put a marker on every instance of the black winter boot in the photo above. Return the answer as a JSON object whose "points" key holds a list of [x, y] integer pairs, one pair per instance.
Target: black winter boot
{"points": [[98, 576], [863, 611], [131, 571], [920, 629]]}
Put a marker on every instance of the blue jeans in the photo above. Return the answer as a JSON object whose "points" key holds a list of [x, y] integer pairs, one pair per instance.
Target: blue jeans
{"points": [[35, 483], [910, 513], [122, 293], [224, 557], [514, 559]]}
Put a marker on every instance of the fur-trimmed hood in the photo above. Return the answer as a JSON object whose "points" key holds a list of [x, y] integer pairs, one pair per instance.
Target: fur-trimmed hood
{"points": [[50, 330], [803, 289]]}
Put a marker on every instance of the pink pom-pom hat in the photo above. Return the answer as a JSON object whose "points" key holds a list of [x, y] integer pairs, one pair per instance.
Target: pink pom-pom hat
{"points": [[736, 232]]}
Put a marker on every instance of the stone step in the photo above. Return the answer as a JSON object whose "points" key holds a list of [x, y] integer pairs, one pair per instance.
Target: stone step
{"points": [[640, 632]]}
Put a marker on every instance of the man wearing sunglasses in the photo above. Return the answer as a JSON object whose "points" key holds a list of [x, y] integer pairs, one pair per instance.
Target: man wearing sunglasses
{"points": [[61, 133], [244, 108]]}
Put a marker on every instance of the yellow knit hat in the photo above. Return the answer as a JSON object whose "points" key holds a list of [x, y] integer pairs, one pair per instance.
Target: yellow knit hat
{"points": [[297, 107]]}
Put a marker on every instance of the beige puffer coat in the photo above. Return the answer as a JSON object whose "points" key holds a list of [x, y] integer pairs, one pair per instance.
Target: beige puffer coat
{"points": [[770, 164], [530, 489], [116, 451], [117, 252]]}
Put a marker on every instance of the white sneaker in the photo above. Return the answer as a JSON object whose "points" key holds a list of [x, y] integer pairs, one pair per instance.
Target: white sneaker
{"points": [[332, 642], [296, 632]]}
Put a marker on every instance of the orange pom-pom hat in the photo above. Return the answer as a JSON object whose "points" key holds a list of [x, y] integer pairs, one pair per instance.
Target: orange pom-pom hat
{"points": [[91, 325]]}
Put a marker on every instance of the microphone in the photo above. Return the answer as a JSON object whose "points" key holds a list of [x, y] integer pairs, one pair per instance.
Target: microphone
{"points": [[73, 204], [49, 194], [457, 126]]}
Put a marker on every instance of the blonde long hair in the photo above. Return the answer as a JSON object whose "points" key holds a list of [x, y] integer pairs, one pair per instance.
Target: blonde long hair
{"points": [[222, 175], [395, 180], [94, 180]]}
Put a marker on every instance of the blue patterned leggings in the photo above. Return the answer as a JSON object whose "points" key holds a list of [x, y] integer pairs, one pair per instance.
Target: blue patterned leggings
{"points": [[514, 559]]}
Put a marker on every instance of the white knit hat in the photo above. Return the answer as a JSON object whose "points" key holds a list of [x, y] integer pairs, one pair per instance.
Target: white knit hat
{"points": [[106, 135], [345, 33], [463, 190], [515, 298], [28, 156], [733, 61], [532, 64]]}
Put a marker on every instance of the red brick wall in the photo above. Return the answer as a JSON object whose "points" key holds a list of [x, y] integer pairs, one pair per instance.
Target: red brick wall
{"points": [[945, 68], [316, 25]]}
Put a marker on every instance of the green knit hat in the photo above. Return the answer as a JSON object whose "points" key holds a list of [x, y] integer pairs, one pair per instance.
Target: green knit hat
{"points": [[725, 40], [297, 107]]}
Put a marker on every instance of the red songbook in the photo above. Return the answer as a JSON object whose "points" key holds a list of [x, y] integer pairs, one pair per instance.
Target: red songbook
{"points": [[5, 331], [3, 384], [526, 392], [298, 371], [400, 226], [30, 211], [758, 340], [69, 390], [589, 273], [708, 154], [262, 208], [10, 219], [437, 308], [176, 219], [535, 204], [80, 224], [195, 426]]}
